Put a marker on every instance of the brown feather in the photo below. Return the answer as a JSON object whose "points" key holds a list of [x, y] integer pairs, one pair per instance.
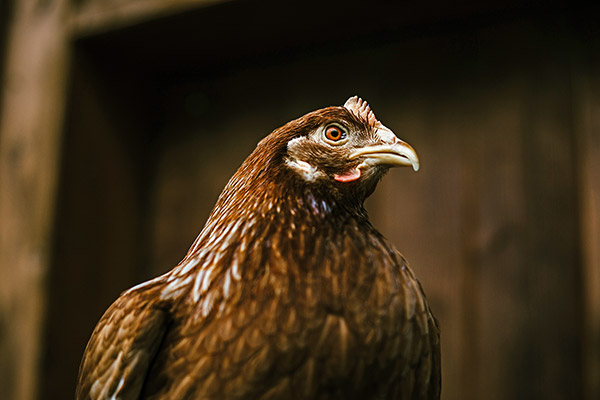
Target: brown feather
{"points": [[288, 293]]}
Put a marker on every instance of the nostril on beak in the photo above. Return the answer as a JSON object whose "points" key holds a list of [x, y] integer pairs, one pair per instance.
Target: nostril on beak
{"points": [[386, 135]]}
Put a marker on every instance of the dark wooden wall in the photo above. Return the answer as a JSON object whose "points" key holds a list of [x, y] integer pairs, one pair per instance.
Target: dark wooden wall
{"points": [[501, 224]]}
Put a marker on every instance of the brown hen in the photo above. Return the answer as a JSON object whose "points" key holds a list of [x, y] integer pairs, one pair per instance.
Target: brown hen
{"points": [[288, 292]]}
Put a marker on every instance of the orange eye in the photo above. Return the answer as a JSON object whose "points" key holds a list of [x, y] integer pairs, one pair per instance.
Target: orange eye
{"points": [[334, 133]]}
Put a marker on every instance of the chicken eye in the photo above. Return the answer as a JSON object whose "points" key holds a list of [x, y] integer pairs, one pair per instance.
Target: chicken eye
{"points": [[334, 133]]}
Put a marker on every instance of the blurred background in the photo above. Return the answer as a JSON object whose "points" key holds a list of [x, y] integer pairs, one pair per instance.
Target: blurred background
{"points": [[122, 120]]}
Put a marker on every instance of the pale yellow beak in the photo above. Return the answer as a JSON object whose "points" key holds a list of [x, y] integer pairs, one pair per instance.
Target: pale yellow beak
{"points": [[397, 154]]}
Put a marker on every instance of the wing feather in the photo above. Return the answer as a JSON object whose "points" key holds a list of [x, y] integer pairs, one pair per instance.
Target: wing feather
{"points": [[121, 349]]}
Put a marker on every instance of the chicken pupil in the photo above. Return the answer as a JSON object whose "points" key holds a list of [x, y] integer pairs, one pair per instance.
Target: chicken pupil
{"points": [[334, 133]]}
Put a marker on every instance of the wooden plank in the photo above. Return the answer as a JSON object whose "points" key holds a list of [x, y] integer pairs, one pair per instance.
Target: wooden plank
{"points": [[30, 134], [549, 353], [99, 238], [493, 215], [521, 251], [587, 89]]}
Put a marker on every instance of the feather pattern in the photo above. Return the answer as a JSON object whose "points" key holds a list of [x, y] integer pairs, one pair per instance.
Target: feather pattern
{"points": [[288, 292]]}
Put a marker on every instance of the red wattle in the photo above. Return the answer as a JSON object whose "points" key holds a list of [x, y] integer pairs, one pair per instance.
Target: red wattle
{"points": [[348, 176]]}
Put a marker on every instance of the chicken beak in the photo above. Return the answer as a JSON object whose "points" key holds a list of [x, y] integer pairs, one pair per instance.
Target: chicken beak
{"points": [[396, 154]]}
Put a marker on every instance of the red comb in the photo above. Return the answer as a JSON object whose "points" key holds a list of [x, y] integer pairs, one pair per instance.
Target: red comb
{"points": [[361, 109]]}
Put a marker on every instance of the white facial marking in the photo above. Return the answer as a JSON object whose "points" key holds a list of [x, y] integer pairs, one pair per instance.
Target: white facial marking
{"points": [[304, 169], [307, 171]]}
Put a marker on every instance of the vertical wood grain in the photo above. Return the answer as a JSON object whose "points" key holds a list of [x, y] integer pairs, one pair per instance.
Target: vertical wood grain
{"points": [[99, 233], [30, 132], [587, 90], [549, 351]]}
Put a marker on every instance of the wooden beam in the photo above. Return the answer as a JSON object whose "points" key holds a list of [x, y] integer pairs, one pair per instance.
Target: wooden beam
{"points": [[33, 97], [95, 17]]}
